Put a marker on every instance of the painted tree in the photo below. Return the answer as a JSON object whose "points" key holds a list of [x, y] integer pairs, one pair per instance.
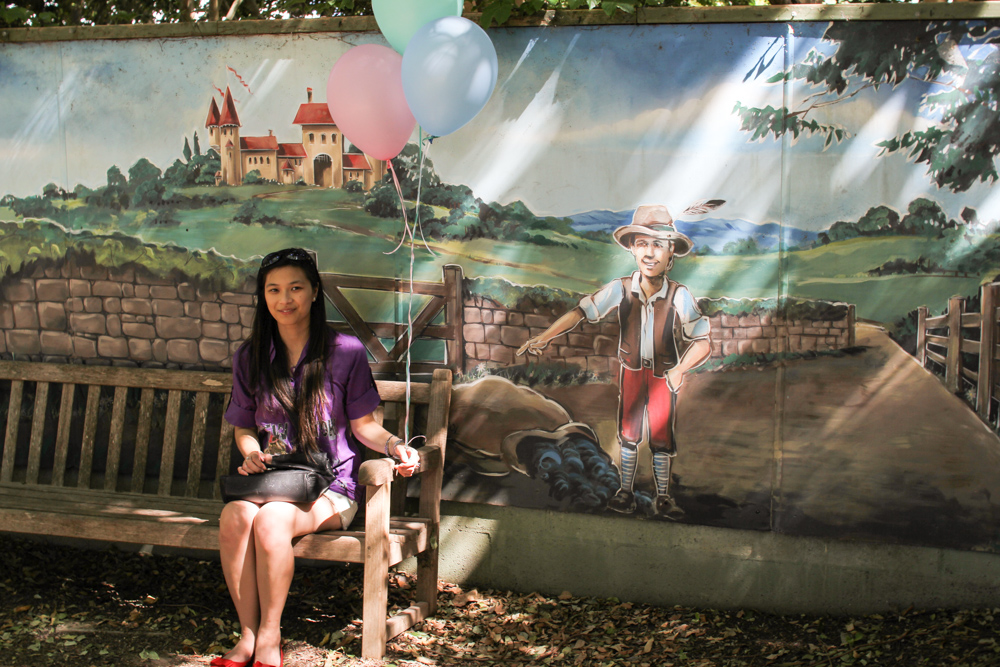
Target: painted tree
{"points": [[960, 147]]}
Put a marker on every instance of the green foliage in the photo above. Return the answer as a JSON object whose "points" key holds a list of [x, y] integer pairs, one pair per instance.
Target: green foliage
{"points": [[37, 13], [509, 295], [254, 178], [546, 374], [354, 187], [52, 191], [31, 207], [960, 149], [469, 217], [31, 241], [924, 215], [790, 308], [259, 212], [145, 183], [901, 265], [383, 202], [747, 246], [521, 297], [762, 122]]}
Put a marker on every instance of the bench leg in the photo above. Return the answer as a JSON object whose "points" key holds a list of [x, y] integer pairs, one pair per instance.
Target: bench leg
{"points": [[427, 577], [376, 585]]}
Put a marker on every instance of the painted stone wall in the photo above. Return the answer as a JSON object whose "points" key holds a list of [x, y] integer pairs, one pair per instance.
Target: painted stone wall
{"points": [[493, 333], [125, 317]]}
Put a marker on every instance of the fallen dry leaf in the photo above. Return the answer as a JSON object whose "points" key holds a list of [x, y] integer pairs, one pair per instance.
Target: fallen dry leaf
{"points": [[463, 599]]}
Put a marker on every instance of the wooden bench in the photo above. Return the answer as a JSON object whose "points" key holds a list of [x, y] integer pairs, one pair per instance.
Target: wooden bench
{"points": [[134, 456]]}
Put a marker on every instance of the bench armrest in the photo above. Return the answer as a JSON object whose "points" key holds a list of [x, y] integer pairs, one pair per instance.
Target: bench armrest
{"points": [[380, 471]]}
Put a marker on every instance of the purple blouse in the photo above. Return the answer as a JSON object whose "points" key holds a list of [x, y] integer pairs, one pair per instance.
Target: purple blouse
{"points": [[350, 394]]}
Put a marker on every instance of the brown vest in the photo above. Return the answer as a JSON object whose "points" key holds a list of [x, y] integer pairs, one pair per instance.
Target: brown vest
{"points": [[666, 330]]}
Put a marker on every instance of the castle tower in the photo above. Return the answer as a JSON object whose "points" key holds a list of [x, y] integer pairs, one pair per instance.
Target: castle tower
{"points": [[213, 126], [229, 141], [323, 144]]}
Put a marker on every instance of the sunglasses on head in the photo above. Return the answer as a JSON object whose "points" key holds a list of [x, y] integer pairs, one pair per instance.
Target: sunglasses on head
{"points": [[294, 254]]}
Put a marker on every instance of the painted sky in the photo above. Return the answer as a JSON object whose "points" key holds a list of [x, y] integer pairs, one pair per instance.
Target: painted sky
{"points": [[582, 119]]}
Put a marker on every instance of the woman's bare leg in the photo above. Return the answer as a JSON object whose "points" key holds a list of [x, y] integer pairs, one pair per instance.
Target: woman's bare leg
{"points": [[275, 526], [239, 564]]}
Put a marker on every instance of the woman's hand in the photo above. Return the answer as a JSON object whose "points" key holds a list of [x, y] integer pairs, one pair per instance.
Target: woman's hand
{"points": [[409, 460], [255, 462]]}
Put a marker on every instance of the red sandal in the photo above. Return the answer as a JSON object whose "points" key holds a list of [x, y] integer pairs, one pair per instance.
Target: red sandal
{"points": [[223, 662], [280, 664]]}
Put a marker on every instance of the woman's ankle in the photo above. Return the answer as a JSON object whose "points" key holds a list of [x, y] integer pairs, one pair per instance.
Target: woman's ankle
{"points": [[243, 650], [268, 649]]}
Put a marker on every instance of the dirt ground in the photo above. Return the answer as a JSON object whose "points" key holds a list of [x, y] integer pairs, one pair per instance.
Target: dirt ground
{"points": [[62, 605]]}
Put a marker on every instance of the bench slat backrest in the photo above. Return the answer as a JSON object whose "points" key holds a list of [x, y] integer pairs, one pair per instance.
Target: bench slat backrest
{"points": [[37, 423], [125, 432], [142, 439], [10, 437], [62, 434], [115, 439], [89, 432]]}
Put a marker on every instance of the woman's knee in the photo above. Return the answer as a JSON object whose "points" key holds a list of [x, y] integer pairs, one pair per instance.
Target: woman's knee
{"points": [[273, 526], [237, 518]]}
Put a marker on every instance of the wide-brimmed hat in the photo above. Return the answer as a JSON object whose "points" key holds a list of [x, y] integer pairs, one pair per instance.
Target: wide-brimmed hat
{"points": [[657, 222]]}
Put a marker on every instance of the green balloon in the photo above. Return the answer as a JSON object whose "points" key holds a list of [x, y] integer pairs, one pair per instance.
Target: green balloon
{"points": [[399, 19]]}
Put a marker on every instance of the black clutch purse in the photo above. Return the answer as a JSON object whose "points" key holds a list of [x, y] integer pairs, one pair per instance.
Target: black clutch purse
{"points": [[291, 478]]}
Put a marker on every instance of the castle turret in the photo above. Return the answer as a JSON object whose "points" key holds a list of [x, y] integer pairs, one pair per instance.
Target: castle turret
{"points": [[229, 141], [213, 125]]}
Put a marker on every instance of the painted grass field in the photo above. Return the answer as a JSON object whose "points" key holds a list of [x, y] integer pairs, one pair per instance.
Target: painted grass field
{"points": [[349, 240]]}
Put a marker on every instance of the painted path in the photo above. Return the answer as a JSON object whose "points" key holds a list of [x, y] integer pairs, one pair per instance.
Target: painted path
{"points": [[869, 445]]}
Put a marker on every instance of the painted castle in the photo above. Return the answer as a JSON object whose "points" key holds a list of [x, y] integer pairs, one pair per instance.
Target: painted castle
{"points": [[319, 160]]}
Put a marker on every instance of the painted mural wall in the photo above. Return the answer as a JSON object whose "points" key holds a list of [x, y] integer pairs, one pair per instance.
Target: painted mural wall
{"points": [[686, 273]]}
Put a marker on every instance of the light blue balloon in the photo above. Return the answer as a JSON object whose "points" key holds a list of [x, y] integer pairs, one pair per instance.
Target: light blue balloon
{"points": [[399, 19], [449, 72]]}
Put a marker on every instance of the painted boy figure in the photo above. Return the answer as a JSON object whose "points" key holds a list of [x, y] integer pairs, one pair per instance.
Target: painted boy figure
{"points": [[663, 336]]}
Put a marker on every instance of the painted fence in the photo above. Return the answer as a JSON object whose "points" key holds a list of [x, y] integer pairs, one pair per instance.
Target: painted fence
{"points": [[952, 340]]}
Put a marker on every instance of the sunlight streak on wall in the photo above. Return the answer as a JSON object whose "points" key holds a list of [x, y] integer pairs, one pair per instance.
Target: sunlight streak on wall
{"points": [[516, 144]]}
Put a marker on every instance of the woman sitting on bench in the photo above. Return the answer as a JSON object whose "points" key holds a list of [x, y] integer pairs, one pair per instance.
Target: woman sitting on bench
{"points": [[301, 386]]}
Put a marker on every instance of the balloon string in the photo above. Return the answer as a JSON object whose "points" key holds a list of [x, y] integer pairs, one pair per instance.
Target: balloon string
{"points": [[402, 205], [420, 180]]}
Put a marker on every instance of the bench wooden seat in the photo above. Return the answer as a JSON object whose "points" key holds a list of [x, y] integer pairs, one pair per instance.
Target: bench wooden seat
{"points": [[121, 475]]}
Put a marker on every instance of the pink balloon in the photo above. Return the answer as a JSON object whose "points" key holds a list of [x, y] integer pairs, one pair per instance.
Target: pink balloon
{"points": [[366, 100]]}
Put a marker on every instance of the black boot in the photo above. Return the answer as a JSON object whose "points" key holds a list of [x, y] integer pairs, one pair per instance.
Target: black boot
{"points": [[667, 508], [623, 501]]}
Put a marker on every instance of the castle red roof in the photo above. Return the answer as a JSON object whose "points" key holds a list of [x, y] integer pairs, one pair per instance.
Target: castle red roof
{"points": [[356, 161], [313, 113], [229, 115], [285, 166], [291, 150], [213, 114], [268, 143]]}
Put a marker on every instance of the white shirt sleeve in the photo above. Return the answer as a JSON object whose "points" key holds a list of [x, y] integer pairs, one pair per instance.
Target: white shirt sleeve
{"points": [[597, 305], [694, 324]]}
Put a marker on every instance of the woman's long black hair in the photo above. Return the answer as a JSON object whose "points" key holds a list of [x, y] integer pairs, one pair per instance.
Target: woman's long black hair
{"points": [[271, 378]]}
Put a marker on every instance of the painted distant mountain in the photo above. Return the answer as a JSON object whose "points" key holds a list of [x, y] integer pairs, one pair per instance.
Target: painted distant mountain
{"points": [[713, 233]]}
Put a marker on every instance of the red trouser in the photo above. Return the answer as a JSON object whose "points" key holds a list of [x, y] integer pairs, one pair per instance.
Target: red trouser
{"points": [[645, 396]]}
